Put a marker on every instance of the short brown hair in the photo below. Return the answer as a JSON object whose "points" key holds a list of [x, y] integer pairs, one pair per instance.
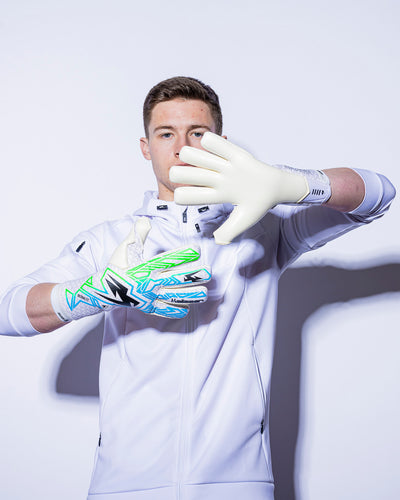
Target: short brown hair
{"points": [[186, 88]]}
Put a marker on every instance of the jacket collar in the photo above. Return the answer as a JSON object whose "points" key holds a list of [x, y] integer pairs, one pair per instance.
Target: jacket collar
{"points": [[207, 217]]}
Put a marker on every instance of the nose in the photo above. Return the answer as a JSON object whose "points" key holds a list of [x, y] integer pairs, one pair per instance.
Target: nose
{"points": [[181, 141]]}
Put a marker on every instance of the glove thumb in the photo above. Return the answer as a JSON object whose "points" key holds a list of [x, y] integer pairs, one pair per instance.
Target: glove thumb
{"points": [[136, 237], [239, 220]]}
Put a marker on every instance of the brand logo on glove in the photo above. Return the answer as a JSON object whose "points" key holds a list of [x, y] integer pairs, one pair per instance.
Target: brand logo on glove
{"points": [[192, 278], [119, 291]]}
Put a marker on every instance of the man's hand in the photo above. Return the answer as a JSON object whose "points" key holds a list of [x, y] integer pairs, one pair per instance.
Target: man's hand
{"points": [[161, 285], [229, 174]]}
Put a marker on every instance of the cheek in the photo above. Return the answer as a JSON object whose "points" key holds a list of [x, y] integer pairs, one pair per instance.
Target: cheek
{"points": [[160, 151], [161, 160]]}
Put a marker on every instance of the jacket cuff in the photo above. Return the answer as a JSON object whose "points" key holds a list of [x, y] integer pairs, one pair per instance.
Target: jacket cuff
{"points": [[373, 192], [18, 318]]}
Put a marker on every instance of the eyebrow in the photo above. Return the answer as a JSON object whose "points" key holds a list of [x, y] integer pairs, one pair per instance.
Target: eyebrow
{"points": [[170, 127]]}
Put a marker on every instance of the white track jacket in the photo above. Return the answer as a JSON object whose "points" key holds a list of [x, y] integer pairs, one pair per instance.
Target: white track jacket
{"points": [[184, 403]]}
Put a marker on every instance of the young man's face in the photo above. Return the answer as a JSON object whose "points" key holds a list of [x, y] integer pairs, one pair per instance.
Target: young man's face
{"points": [[174, 124]]}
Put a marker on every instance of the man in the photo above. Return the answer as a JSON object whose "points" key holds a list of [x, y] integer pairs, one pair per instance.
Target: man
{"points": [[184, 387]]}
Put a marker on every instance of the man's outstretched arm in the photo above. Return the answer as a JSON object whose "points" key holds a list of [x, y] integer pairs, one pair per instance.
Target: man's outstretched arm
{"points": [[160, 286], [226, 173]]}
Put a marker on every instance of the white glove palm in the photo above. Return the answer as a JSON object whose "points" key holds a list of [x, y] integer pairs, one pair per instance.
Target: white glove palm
{"points": [[229, 174]]}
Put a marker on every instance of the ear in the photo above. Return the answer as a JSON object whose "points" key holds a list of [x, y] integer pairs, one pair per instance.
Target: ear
{"points": [[144, 146]]}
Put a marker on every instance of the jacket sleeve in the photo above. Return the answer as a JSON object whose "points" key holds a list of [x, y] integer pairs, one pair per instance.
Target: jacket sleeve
{"points": [[305, 228], [76, 260]]}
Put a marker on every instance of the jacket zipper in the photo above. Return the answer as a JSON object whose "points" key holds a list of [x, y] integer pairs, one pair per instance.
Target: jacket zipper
{"points": [[186, 378]]}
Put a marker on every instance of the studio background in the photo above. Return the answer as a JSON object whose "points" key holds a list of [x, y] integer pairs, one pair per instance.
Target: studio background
{"points": [[310, 84]]}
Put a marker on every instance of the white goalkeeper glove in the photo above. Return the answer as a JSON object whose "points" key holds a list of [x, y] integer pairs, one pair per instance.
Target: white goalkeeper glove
{"points": [[229, 174], [129, 281]]}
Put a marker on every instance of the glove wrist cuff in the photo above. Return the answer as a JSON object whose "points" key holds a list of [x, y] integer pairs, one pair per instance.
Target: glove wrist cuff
{"points": [[57, 303], [69, 303], [319, 187]]}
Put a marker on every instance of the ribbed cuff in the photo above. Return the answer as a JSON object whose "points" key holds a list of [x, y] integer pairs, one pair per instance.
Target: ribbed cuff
{"points": [[373, 192]]}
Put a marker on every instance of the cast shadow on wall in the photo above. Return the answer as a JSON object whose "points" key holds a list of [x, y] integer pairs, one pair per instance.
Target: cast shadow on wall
{"points": [[301, 291]]}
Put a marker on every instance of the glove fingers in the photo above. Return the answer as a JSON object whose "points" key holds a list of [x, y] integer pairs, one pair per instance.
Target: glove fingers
{"points": [[169, 311], [186, 295], [238, 221], [191, 195], [201, 158], [162, 261], [220, 146], [194, 176], [172, 278]]}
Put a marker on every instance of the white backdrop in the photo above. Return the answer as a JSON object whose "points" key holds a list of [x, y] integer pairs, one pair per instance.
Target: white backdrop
{"points": [[313, 84]]}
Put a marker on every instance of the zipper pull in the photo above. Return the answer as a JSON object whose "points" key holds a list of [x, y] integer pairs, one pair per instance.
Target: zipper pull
{"points": [[184, 215]]}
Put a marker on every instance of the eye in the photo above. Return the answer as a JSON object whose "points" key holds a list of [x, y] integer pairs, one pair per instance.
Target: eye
{"points": [[198, 135], [166, 135]]}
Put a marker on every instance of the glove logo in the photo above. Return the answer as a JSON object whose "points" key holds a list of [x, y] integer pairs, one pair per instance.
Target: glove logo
{"points": [[118, 290], [192, 277]]}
